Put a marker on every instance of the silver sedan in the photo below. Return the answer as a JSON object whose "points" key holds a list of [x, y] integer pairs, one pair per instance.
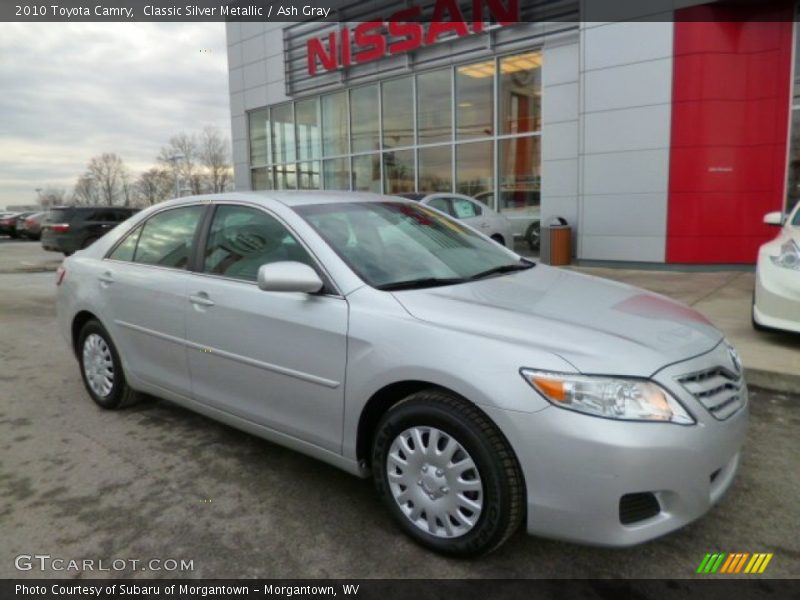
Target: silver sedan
{"points": [[478, 389]]}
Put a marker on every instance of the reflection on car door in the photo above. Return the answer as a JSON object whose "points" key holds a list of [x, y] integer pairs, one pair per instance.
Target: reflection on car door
{"points": [[145, 283], [277, 359]]}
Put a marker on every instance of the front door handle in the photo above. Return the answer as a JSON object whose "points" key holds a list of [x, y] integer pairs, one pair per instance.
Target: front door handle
{"points": [[106, 279], [201, 299]]}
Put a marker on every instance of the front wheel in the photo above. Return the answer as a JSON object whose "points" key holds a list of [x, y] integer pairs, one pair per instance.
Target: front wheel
{"points": [[101, 368], [447, 475]]}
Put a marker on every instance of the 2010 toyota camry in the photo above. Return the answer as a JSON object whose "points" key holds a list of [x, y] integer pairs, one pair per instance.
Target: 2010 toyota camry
{"points": [[477, 388]]}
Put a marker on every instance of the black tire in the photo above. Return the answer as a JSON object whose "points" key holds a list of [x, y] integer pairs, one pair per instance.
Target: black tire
{"points": [[499, 471], [121, 394], [499, 239], [88, 242], [13, 235], [533, 235]]}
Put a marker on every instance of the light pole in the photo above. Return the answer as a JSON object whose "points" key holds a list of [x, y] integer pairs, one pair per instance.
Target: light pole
{"points": [[39, 196], [174, 160]]}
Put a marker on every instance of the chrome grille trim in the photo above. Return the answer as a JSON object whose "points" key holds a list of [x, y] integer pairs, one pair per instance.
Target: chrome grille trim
{"points": [[719, 390]]}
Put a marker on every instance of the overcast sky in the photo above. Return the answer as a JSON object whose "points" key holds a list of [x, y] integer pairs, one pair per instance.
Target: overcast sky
{"points": [[69, 91]]}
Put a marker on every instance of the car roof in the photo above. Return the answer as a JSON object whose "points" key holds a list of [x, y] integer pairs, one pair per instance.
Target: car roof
{"points": [[290, 197]]}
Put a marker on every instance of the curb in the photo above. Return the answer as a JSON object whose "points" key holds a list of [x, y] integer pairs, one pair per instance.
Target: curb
{"points": [[773, 380], [43, 268]]}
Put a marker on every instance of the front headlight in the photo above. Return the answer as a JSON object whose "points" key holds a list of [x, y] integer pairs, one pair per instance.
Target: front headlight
{"points": [[613, 398], [789, 258]]}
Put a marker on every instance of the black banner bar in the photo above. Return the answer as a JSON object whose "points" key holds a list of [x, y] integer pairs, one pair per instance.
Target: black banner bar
{"points": [[755, 588], [348, 10]]}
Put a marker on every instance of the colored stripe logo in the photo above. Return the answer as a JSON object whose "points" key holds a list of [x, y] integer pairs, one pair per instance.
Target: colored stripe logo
{"points": [[734, 563]]}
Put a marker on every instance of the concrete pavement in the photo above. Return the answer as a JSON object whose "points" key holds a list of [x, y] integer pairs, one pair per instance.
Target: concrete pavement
{"points": [[771, 359]]}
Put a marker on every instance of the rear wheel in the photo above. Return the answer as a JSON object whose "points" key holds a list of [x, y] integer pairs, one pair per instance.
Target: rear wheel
{"points": [[447, 474], [101, 368]]}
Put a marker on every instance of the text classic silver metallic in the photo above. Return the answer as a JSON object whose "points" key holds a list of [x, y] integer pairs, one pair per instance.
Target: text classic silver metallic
{"points": [[479, 389]]}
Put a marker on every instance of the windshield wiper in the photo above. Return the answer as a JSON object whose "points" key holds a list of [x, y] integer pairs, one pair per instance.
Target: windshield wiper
{"points": [[422, 282], [503, 269]]}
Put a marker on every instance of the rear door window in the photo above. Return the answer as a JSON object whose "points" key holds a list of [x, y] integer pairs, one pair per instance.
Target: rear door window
{"points": [[60, 215], [442, 204], [166, 238], [127, 249]]}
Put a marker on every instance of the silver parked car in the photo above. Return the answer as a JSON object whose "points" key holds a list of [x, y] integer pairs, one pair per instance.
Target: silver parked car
{"points": [[476, 214], [478, 389]]}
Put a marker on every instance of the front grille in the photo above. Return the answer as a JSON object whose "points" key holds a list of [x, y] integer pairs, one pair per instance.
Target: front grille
{"points": [[718, 389], [638, 507]]}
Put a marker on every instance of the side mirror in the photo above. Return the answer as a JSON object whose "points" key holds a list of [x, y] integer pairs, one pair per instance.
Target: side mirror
{"points": [[774, 218], [288, 276]]}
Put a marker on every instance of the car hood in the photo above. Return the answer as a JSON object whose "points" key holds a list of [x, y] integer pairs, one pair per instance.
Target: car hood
{"points": [[597, 325]]}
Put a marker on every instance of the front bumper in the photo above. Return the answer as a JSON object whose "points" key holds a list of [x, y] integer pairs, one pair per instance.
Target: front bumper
{"points": [[777, 296], [577, 468]]}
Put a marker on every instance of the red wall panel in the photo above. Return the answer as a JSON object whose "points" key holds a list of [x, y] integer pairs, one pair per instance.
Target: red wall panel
{"points": [[730, 118]]}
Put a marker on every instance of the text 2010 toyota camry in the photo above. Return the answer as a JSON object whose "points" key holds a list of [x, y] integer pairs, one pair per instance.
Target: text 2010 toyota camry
{"points": [[478, 389]]}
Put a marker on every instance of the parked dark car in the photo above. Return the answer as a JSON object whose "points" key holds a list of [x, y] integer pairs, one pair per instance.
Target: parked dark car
{"points": [[7, 222], [19, 221], [31, 227], [70, 228]]}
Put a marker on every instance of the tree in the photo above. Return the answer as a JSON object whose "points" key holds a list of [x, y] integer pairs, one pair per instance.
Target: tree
{"points": [[83, 192], [215, 157], [186, 145], [52, 196], [154, 185], [109, 173]]}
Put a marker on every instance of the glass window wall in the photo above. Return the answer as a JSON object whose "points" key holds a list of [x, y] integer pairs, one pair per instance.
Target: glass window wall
{"points": [[434, 110], [334, 124], [397, 96], [364, 107], [367, 173], [398, 135], [307, 129], [475, 100], [398, 171]]}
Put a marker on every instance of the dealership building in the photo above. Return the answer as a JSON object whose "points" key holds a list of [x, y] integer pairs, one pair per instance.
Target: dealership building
{"points": [[662, 140]]}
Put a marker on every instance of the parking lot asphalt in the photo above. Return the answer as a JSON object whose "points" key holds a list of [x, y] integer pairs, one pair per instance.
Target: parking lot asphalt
{"points": [[158, 482]]}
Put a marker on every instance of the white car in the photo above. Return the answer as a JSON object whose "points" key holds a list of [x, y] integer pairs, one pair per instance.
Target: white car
{"points": [[473, 213], [776, 300], [522, 208]]}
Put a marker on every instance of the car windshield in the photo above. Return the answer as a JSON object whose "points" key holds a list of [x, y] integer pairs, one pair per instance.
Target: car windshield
{"points": [[397, 245]]}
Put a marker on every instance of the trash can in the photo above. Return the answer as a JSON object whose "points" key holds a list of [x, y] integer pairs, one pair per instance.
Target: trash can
{"points": [[557, 242]]}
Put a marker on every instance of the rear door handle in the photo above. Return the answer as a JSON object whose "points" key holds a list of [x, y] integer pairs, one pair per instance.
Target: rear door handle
{"points": [[106, 278], [201, 299]]}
